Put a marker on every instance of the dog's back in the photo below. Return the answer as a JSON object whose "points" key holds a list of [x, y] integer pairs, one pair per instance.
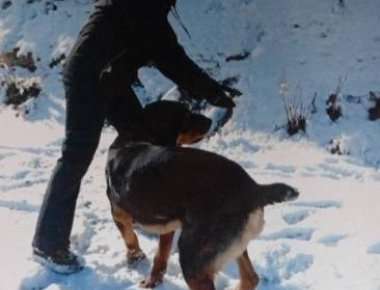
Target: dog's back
{"points": [[157, 184]]}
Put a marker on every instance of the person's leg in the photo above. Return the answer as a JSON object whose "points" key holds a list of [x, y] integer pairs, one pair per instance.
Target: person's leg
{"points": [[85, 114], [84, 121]]}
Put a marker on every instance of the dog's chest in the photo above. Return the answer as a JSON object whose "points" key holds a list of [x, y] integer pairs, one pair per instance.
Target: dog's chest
{"points": [[160, 228]]}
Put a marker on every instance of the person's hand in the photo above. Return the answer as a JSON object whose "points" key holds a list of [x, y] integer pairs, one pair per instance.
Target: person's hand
{"points": [[222, 101], [232, 91], [225, 98]]}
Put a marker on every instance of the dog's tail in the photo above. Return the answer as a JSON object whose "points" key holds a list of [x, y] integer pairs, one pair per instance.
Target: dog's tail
{"points": [[276, 192]]}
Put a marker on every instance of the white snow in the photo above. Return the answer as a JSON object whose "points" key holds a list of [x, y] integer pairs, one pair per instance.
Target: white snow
{"points": [[327, 239]]}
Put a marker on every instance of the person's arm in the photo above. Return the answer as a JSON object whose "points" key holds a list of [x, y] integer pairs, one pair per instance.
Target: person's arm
{"points": [[171, 60]]}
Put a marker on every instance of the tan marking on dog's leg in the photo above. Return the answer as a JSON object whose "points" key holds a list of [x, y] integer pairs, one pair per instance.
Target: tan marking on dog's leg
{"points": [[162, 229], [160, 262], [248, 276], [124, 223]]}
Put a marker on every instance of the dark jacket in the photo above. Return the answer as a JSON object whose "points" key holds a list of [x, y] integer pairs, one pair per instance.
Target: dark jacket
{"points": [[148, 39]]}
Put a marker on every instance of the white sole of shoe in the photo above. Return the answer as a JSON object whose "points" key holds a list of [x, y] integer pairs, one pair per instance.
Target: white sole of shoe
{"points": [[56, 268]]}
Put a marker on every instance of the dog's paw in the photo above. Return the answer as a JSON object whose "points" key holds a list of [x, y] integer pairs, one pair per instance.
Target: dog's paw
{"points": [[134, 257], [151, 282]]}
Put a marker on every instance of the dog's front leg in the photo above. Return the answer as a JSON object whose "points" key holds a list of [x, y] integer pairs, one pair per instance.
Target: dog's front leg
{"points": [[248, 276], [160, 262], [123, 221]]}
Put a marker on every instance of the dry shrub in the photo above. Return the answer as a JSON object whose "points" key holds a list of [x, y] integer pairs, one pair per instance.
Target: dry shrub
{"points": [[334, 109], [6, 4], [336, 147], [19, 90], [374, 112], [15, 59], [297, 112], [57, 60]]}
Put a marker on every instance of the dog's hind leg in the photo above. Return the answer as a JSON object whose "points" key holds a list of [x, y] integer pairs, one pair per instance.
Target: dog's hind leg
{"points": [[123, 221], [203, 281], [160, 262], [210, 242], [196, 256], [248, 276]]}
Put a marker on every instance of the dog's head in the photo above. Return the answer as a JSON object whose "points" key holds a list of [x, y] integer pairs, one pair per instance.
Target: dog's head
{"points": [[171, 123]]}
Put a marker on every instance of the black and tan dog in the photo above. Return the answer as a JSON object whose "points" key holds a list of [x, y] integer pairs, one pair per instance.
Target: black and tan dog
{"points": [[162, 187]]}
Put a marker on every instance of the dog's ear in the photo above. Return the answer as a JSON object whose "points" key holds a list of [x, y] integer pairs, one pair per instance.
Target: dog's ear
{"points": [[173, 123], [165, 119]]}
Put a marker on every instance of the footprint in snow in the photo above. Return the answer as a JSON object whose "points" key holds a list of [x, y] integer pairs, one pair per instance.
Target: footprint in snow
{"points": [[23, 184], [6, 155], [282, 264], [19, 206], [282, 168], [374, 249], [296, 217], [41, 278], [302, 234], [30, 150], [332, 171], [331, 240], [323, 204]]}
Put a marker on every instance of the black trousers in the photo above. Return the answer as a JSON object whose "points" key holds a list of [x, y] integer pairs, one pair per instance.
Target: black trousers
{"points": [[87, 108]]}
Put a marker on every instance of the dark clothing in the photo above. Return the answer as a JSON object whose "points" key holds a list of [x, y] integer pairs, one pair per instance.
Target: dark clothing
{"points": [[120, 37]]}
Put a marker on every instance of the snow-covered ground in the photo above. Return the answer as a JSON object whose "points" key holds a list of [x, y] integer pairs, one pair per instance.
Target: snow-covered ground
{"points": [[328, 239]]}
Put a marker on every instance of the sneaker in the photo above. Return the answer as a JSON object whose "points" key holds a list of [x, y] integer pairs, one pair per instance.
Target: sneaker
{"points": [[62, 261]]}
